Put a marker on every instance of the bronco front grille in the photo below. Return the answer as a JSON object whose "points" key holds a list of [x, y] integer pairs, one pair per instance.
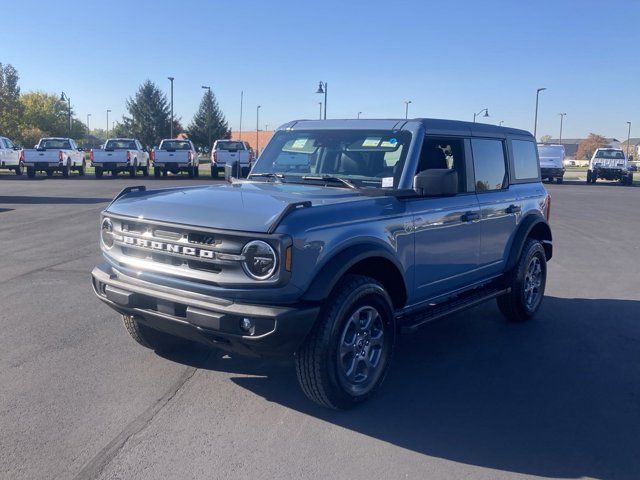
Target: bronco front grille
{"points": [[177, 251]]}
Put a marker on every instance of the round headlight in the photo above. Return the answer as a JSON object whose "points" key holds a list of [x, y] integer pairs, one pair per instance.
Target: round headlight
{"points": [[260, 260], [106, 233]]}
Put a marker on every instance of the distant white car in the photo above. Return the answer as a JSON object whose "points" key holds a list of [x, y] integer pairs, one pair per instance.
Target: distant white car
{"points": [[53, 154], [175, 155], [551, 161], [120, 155], [609, 164], [229, 151], [11, 156]]}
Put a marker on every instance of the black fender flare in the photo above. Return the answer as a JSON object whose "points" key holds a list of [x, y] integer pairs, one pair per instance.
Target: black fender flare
{"points": [[325, 280], [525, 228]]}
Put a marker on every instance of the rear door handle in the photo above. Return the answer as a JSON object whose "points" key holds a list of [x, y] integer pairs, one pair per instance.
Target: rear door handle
{"points": [[470, 217], [514, 209]]}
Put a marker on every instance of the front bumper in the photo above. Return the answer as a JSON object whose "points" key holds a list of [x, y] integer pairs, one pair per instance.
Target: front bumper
{"points": [[608, 173], [278, 330], [548, 172]]}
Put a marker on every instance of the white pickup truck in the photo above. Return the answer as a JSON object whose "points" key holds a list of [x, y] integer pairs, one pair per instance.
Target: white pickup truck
{"points": [[175, 155], [120, 155], [610, 164], [228, 151], [55, 154], [11, 156]]}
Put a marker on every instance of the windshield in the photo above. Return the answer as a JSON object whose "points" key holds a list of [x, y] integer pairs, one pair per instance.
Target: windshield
{"points": [[617, 154], [230, 146], [366, 158], [120, 145], [176, 145], [550, 151], [54, 143]]}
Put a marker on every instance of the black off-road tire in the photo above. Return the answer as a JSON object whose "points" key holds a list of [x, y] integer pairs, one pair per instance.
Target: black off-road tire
{"points": [[318, 368], [513, 304], [31, 172], [98, 172], [153, 339]]}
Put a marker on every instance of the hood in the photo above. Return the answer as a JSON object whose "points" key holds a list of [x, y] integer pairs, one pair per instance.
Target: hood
{"points": [[243, 206]]}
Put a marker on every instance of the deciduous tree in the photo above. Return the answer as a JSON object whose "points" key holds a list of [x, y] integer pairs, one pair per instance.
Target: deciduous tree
{"points": [[590, 145]]}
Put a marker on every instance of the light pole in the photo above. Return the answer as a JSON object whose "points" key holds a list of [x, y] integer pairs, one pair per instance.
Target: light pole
{"points": [[359, 113], [107, 134], [171, 79], [257, 129], [628, 138], [406, 108], [486, 114], [88, 129], [561, 119], [320, 114], [65, 97], [501, 122], [535, 121], [208, 88], [322, 88]]}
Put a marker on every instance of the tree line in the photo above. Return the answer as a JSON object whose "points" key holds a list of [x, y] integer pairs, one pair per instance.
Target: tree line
{"points": [[26, 117]]}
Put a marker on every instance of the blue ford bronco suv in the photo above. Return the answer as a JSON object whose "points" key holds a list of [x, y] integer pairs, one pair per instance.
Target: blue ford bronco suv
{"points": [[345, 234]]}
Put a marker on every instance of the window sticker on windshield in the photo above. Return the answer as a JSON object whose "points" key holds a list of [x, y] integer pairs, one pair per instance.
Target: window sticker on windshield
{"points": [[299, 144], [387, 182], [391, 143], [371, 142]]}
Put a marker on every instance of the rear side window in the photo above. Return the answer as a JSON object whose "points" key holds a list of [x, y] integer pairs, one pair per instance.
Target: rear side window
{"points": [[525, 161], [488, 164]]}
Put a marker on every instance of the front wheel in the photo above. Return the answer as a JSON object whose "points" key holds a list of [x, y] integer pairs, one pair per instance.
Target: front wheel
{"points": [[83, 168], [527, 282], [132, 171], [31, 172], [145, 171], [344, 359], [153, 339], [66, 170]]}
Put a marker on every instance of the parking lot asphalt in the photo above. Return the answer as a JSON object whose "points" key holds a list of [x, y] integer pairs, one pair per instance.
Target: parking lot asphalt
{"points": [[467, 397]]}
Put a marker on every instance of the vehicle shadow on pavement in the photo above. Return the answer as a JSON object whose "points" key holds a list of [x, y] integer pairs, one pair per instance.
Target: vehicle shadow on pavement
{"points": [[556, 397], [33, 200]]}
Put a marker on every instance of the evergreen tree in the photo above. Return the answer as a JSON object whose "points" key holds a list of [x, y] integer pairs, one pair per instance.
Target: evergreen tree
{"points": [[208, 124], [150, 116], [10, 106]]}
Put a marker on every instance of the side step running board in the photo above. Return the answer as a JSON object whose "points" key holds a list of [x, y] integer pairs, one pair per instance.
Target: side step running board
{"points": [[461, 303]]}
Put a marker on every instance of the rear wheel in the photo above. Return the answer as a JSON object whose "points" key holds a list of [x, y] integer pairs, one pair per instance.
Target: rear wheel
{"points": [[156, 172], [98, 172], [145, 171], [49, 172], [83, 168], [191, 171], [345, 357], [527, 282], [20, 168], [559, 180], [31, 172], [153, 339], [196, 171], [215, 171]]}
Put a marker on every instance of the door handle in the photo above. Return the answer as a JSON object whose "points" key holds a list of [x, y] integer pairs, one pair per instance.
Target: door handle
{"points": [[514, 209], [470, 217]]}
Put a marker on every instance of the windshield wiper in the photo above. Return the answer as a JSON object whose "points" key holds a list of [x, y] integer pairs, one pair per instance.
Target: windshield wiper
{"points": [[331, 178], [279, 176]]}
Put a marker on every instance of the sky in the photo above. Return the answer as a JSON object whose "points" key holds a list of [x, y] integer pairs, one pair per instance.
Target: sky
{"points": [[449, 58]]}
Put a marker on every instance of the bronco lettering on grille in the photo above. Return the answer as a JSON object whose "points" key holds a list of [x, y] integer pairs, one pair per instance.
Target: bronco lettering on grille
{"points": [[168, 247]]}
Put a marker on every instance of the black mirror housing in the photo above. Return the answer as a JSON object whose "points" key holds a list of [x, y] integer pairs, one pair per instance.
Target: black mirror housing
{"points": [[436, 182]]}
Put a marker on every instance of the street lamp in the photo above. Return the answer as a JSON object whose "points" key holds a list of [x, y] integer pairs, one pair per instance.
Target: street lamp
{"points": [[257, 128], [359, 113], [108, 112], [65, 97], [208, 88], [486, 114], [88, 129], [628, 138], [561, 119], [535, 122], [322, 88], [406, 108], [320, 114], [171, 79], [501, 122]]}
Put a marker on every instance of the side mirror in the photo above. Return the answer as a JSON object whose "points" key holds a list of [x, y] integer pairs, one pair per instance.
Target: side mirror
{"points": [[436, 182], [17, 147]]}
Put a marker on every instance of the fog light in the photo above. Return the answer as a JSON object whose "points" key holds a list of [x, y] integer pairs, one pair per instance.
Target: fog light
{"points": [[246, 325]]}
